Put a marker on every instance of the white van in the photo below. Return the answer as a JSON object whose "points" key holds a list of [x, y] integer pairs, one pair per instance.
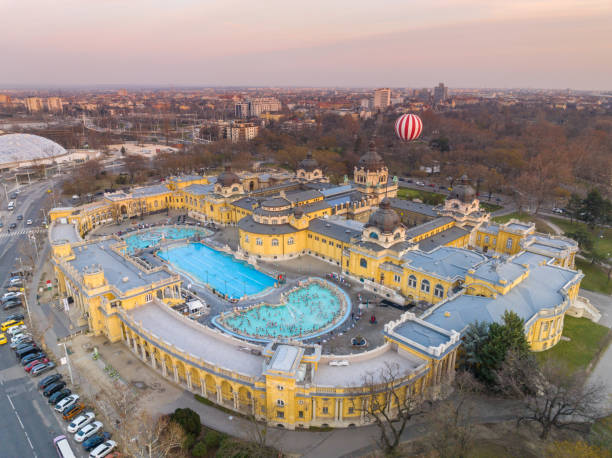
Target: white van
{"points": [[11, 205]]}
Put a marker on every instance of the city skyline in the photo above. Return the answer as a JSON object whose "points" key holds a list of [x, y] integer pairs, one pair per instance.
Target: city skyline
{"points": [[469, 43]]}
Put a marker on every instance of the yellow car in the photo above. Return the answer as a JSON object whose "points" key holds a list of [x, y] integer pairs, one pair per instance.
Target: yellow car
{"points": [[10, 324], [2, 339]]}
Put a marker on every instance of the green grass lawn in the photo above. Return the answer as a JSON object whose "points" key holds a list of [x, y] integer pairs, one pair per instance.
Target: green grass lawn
{"points": [[586, 340], [490, 207], [514, 215], [595, 278], [601, 433], [431, 198], [601, 237]]}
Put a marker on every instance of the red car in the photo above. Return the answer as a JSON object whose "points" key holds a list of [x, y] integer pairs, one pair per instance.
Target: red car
{"points": [[28, 367]]}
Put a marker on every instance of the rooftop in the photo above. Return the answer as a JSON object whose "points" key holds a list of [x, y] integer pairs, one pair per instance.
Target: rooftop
{"points": [[118, 271], [414, 207], [428, 226], [66, 232], [216, 349], [444, 262], [333, 230], [442, 238]]}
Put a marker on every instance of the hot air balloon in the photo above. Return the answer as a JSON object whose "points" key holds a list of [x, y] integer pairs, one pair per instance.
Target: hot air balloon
{"points": [[408, 127]]}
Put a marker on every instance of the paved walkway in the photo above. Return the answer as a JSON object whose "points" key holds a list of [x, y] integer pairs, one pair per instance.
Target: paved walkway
{"points": [[602, 373]]}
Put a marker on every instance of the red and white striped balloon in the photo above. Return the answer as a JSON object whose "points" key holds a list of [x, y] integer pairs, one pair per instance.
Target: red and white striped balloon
{"points": [[408, 127]]}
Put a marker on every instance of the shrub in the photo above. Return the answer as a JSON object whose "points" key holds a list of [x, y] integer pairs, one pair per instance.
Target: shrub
{"points": [[190, 439], [212, 439], [199, 449], [188, 419]]}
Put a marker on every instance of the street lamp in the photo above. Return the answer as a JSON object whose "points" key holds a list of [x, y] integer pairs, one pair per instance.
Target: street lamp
{"points": [[67, 361]]}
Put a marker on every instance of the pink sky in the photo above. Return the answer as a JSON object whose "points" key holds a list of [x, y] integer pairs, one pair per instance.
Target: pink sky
{"points": [[465, 43]]}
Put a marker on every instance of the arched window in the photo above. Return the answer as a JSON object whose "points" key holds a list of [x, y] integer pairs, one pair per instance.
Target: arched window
{"points": [[290, 241], [397, 236], [373, 235], [509, 244], [274, 242], [425, 286], [486, 239], [363, 262], [258, 241], [246, 238], [235, 188], [412, 281], [273, 221], [439, 291]]}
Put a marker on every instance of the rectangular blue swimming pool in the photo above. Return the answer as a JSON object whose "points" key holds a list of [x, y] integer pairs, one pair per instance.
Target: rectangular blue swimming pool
{"points": [[219, 270]]}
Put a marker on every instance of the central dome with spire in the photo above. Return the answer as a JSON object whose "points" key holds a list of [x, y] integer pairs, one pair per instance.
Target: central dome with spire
{"points": [[385, 218], [371, 160], [227, 177], [309, 163]]}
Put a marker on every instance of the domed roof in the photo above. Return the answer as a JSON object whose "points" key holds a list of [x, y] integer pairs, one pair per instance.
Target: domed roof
{"points": [[27, 147], [463, 191], [309, 163], [227, 177], [385, 218], [298, 213], [371, 160]]}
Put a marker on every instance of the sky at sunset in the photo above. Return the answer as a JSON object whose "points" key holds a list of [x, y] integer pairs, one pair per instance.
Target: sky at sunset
{"points": [[465, 43]]}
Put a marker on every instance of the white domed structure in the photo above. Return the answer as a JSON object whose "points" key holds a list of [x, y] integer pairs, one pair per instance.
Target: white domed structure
{"points": [[20, 150]]}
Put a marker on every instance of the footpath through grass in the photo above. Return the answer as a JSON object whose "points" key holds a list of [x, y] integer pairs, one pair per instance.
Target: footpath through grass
{"points": [[587, 339]]}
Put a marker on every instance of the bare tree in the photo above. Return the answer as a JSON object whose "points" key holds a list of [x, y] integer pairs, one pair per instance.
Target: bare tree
{"points": [[140, 434], [450, 418], [552, 397], [258, 431], [390, 404], [154, 437]]}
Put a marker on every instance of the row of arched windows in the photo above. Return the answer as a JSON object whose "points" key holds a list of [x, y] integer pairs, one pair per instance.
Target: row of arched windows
{"points": [[426, 286], [274, 242]]}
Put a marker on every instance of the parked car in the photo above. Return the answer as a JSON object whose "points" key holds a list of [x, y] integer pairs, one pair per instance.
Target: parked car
{"points": [[48, 380], [2, 339], [28, 367], [557, 210], [419, 183], [67, 402], [9, 324], [56, 386], [103, 449], [31, 357], [19, 217], [26, 351], [16, 316], [42, 368], [29, 222], [24, 345], [12, 304], [19, 336], [21, 341], [59, 395], [88, 431], [9, 295], [81, 421], [96, 440], [16, 329], [72, 411]]}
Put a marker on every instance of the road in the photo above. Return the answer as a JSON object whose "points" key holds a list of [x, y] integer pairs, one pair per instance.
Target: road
{"points": [[28, 424]]}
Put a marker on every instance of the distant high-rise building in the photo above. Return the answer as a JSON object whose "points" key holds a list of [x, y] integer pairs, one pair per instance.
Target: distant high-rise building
{"points": [[440, 93], [242, 109], [54, 104], [366, 103], [238, 131], [257, 106], [122, 92], [382, 98], [423, 95], [34, 104], [5, 99]]}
